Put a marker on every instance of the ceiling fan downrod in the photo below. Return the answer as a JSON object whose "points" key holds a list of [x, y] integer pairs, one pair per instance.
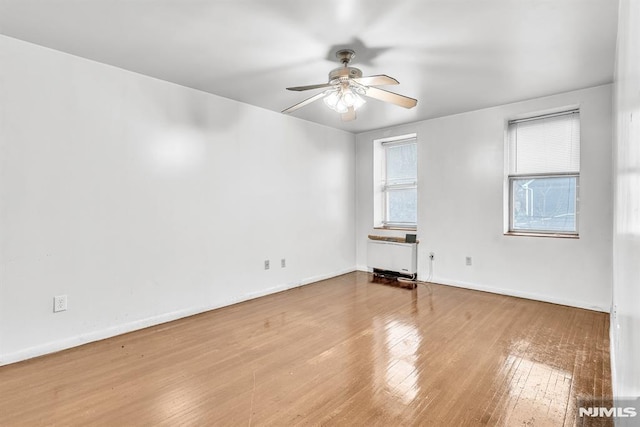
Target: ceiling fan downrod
{"points": [[345, 56]]}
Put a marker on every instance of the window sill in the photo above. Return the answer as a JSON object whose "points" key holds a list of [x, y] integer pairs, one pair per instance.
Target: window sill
{"points": [[556, 235], [396, 228]]}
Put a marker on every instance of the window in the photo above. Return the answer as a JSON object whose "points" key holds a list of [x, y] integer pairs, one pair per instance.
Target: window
{"points": [[544, 174], [396, 183]]}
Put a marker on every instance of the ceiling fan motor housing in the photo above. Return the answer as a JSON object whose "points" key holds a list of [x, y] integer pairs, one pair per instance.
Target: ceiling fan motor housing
{"points": [[344, 73]]}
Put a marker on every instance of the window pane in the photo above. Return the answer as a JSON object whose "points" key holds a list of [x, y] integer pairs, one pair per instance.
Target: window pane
{"points": [[544, 204], [402, 163], [402, 206]]}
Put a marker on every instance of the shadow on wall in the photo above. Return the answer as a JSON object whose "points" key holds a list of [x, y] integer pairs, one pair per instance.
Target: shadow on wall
{"points": [[190, 127]]}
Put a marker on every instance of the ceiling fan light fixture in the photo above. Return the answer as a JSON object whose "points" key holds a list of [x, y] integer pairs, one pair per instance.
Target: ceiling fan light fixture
{"points": [[341, 100], [348, 98], [352, 99], [341, 107], [332, 99]]}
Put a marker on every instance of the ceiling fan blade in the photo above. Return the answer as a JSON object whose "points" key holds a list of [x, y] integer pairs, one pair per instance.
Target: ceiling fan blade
{"points": [[394, 98], [377, 80], [318, 86], [349, 115], [303, 103]]}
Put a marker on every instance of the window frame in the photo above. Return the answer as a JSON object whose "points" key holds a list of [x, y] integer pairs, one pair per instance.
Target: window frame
{"points": [[510, 178], [384, 189]]}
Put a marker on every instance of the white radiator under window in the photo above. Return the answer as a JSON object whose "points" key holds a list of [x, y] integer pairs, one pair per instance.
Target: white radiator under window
{"points": [[392, 256]]}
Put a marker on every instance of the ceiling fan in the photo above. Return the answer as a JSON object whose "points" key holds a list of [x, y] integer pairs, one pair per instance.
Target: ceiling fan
{"points": [[346, 87]]}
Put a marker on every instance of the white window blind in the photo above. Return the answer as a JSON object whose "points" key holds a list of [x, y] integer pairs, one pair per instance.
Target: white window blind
{"points": [[550, 144]]}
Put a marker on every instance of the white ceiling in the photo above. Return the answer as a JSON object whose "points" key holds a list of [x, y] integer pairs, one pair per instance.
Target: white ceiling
{"points": [[452, 55]]}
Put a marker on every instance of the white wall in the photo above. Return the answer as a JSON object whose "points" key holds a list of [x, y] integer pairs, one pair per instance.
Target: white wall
{"points": [[461, 205], [626, 235], [145, 201]]}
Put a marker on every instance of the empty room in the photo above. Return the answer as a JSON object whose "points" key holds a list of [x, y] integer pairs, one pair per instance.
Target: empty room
{"points": [[320, 213]]}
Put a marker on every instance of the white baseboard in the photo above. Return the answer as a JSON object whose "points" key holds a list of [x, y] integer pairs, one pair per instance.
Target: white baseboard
{"points": [[291, 285], [59, 345], [512, 293], [612, 356], [66, 343], [521, 294]]}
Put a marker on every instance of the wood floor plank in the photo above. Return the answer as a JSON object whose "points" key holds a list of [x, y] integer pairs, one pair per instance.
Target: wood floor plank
{"points": [[343, 351]]}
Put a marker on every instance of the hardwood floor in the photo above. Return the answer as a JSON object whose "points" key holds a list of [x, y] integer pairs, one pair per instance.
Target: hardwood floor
{"points": [[340, 352]]}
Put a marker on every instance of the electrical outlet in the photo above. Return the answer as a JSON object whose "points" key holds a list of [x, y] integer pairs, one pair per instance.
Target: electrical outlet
{"points": [[59, 303], [283, 263], [266, 264], [468, 260]]}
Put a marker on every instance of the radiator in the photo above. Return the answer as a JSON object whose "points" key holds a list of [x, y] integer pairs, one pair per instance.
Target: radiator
{"points": [[392, 256]]}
